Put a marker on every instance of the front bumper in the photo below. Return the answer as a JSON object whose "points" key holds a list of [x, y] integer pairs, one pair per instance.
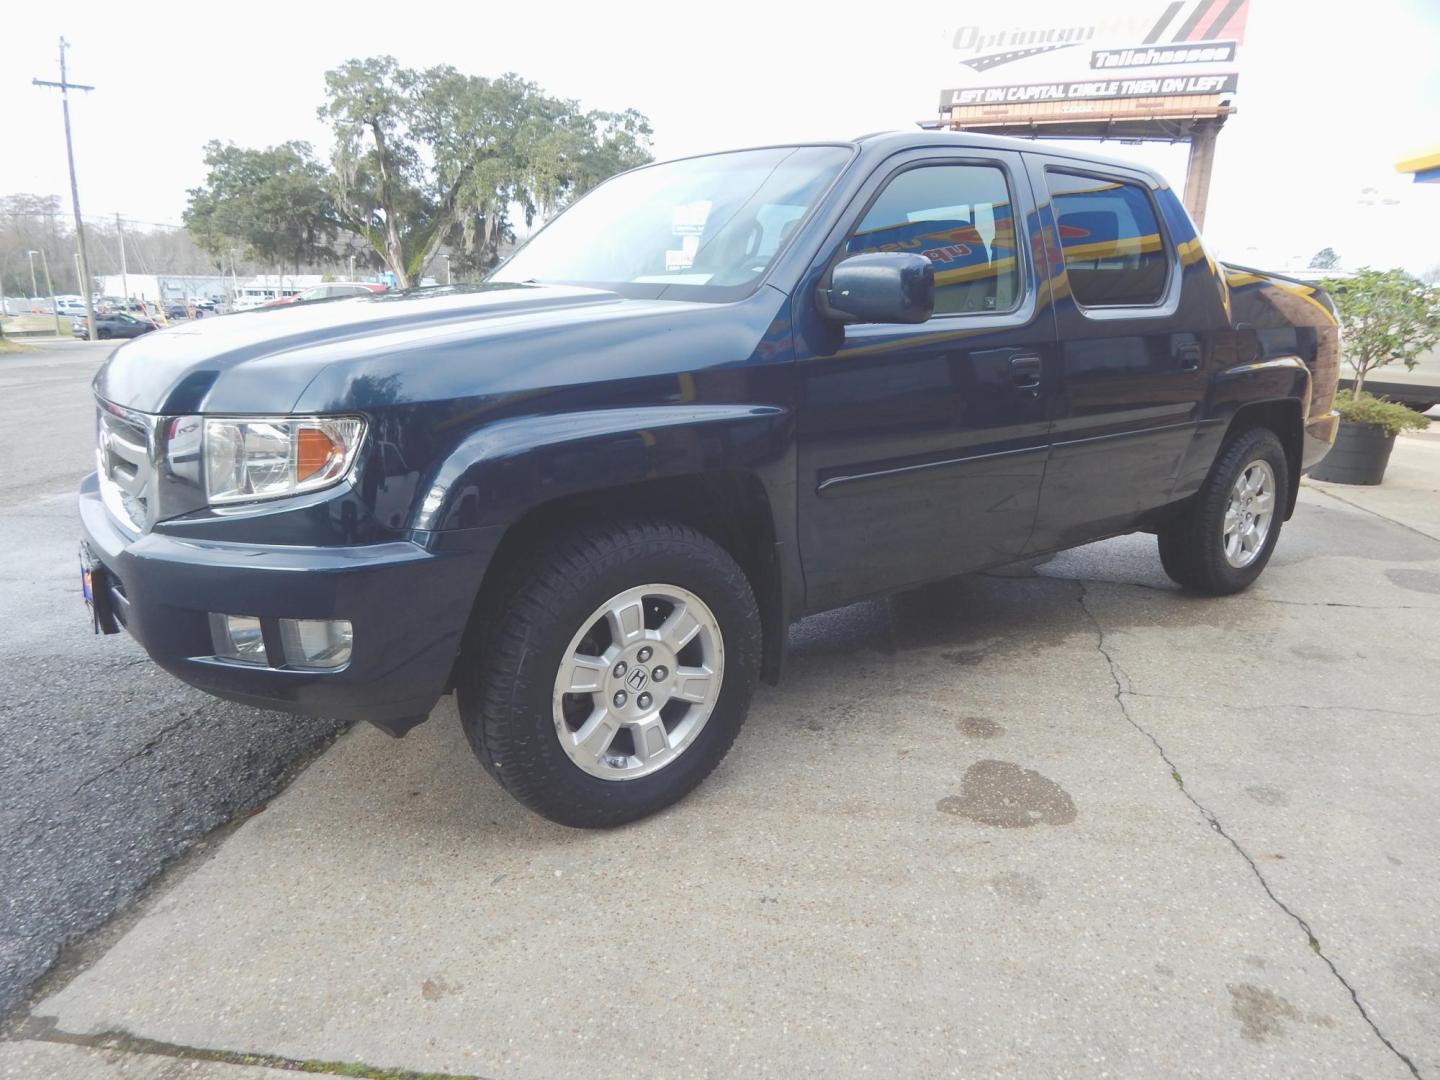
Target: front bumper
{"points": [[409, 601]]}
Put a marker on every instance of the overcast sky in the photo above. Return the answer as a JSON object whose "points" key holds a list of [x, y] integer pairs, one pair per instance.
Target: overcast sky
{"points": [[1330, 96]]}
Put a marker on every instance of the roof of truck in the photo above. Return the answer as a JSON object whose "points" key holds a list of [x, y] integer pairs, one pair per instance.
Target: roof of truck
{"points": [[889, 142], [881, 144]]}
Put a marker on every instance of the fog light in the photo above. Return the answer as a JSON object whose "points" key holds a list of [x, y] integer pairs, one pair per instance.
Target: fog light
{"points": [[238, 637], [316, 643]]}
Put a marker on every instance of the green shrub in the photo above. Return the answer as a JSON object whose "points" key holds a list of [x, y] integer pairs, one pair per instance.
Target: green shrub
{"points": [[1389, 416]]}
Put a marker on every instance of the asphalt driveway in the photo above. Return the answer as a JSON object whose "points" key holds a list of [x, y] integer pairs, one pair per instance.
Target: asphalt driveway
{"points": [[110, 768]]}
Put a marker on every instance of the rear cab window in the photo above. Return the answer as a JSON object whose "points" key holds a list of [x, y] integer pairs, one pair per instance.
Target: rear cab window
{"points": [[1115, 252], [959, 216]]}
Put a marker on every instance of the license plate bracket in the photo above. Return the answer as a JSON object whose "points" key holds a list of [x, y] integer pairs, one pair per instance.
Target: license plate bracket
{"points": [[95, 588]]}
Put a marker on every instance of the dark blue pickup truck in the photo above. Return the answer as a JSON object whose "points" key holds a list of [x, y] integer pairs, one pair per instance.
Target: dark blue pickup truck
{"points": [[713, 396]]}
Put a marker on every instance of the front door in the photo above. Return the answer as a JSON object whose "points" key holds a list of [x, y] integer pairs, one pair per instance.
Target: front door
{"points": [[922, 447]]}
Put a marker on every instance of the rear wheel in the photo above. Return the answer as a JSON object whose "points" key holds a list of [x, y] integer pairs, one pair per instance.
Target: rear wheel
{"points": [[1225, 537], [618, 674]]}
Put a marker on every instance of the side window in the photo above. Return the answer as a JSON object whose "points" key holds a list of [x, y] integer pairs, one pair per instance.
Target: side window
{"points": [[1114, 253], [959, 217]]}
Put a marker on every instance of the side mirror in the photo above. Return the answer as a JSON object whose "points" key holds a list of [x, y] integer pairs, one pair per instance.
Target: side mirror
{"points": [[880, 287]]}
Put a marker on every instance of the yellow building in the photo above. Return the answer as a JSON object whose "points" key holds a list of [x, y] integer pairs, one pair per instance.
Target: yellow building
{"points": [[1425, 166]]}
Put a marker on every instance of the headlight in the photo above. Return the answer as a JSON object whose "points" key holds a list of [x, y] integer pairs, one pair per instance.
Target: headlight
{"points": [[267, 458]]}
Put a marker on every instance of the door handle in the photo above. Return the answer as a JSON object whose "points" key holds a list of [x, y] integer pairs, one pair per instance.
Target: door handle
{"points": [[1025, 372], [1189, 357]]}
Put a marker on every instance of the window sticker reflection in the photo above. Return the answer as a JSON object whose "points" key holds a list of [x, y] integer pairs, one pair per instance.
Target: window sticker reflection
{"points": [[1110, 238], [958, 217]]}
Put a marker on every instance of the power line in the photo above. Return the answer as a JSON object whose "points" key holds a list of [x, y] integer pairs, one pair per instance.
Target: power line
{"points": [[95, 218]]}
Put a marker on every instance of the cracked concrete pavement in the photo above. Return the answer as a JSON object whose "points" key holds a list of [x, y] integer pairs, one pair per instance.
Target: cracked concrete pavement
{"points": [[1264, 795], [1060, 819]]}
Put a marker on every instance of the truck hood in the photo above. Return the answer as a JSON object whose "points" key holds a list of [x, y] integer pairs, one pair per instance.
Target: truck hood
{"points": [[424, 344]]}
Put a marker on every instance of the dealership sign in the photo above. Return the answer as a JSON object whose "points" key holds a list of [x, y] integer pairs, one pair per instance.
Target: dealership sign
{"points": [[1144, 49]]}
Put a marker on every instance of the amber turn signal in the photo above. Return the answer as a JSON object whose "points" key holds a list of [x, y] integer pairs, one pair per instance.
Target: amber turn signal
{"points": [[314, 450]]}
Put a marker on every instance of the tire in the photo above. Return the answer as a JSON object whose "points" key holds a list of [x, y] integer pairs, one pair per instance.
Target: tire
{"points": [[515, 712], [1196, 550]]}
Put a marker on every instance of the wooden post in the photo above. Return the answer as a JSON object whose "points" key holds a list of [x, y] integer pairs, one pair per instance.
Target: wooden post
{"points": [[1197, 174]]}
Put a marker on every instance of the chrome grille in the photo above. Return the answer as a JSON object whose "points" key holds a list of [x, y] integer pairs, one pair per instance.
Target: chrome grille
{"points": [[124, 458]]}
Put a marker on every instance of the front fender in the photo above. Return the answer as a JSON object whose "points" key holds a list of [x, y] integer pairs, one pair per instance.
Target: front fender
{"points": [[504, 469]]}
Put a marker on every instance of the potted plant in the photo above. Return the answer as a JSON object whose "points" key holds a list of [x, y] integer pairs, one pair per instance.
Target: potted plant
{"points": [[1368, 426], [1385, 316]]}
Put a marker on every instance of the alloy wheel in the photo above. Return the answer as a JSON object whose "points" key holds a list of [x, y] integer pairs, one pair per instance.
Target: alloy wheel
{"points": [[1249, 514], [638, 682]]}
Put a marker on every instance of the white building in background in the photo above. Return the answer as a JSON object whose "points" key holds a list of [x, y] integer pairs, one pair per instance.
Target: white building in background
{"points": [[241, 293], [158, 288]]}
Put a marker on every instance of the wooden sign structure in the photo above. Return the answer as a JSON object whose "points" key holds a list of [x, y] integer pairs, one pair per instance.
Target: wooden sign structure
{"points": [[1147, 70]]}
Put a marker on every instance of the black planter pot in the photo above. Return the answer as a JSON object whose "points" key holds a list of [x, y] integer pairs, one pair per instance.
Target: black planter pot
{"points": [[1359, 456]]}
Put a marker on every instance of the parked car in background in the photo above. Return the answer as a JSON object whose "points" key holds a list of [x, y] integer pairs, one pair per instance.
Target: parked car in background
{"points": [[115, 303], [177, 309], [70, 305], [117, 324], [331, 290], [713, 396]]}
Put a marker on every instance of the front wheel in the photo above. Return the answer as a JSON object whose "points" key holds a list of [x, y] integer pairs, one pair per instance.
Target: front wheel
{"points": [[617, 675], [1225, 537]]}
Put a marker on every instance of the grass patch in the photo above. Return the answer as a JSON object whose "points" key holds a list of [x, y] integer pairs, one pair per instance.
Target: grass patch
{"points": [[367, 1072]]}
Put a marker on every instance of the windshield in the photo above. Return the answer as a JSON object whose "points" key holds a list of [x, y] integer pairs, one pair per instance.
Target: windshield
{"points": [[703, 228]]}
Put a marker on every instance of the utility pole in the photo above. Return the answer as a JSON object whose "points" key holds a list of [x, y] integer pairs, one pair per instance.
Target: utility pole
{"points": [[124, 280], [65, 87], [34, 289], [54, 304]]}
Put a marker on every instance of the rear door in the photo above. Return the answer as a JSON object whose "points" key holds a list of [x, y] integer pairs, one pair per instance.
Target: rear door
{"points": [[922, 447], [1132, 361]]}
